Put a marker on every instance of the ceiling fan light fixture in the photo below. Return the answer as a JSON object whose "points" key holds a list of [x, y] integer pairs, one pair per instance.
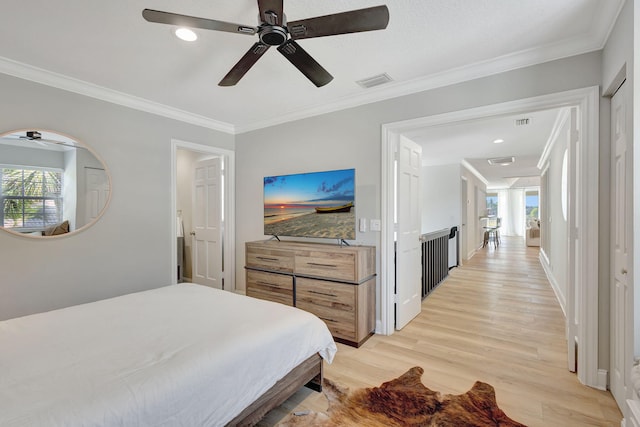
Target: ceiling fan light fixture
{"points": [[186, 34], [273, 35], [34, 134]]}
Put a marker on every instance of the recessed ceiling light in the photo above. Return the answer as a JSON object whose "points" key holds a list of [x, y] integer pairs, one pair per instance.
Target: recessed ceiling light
{"points": [[498, 141], [186, 34]]}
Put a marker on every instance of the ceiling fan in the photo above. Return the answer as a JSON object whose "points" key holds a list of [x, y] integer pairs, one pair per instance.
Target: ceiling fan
{"points": [[274, 30], [36, 137]]}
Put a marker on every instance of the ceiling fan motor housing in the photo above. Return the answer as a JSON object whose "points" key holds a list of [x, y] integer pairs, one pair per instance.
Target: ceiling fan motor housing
{"points": [[272, 35]]}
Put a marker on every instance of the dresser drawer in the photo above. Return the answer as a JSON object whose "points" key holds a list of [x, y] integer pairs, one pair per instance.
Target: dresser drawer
{"points": [[328, 265], [270, 286], [270, 259], [335, 303]]}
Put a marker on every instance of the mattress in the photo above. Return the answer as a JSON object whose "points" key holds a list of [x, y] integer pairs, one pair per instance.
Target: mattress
{"points": [[181, 355]]}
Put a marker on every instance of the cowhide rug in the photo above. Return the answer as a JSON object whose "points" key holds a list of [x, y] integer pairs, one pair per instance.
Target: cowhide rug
{"points": [[405, 401]]}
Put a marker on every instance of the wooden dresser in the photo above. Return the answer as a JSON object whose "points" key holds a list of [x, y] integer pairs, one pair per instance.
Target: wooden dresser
{"points": [[336, 283]]}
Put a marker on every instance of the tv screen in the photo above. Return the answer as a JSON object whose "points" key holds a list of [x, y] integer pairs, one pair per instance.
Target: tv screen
{"points": [[315, 204]]}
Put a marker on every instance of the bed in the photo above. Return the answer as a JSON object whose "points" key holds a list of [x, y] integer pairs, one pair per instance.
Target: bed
{"points": [[181, 355]]}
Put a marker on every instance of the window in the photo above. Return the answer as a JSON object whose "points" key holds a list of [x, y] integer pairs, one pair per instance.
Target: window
{"points": [[492, 204], [532, 204], [31, 199]]}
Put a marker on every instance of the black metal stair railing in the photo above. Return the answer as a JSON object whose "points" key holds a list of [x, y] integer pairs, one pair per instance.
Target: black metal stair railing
{"points": [[435, 258]]}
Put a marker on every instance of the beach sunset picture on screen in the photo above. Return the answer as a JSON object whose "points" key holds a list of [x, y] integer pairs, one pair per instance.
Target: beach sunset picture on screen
{"points": [[316, 204]]}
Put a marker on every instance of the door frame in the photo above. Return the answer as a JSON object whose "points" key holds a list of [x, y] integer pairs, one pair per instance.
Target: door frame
{"points": [[587, 99], [229, 231], [464, 220]]}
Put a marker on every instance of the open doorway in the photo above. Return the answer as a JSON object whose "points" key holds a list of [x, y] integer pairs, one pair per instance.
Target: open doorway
{"points": [[203, 215], [583, 305]]}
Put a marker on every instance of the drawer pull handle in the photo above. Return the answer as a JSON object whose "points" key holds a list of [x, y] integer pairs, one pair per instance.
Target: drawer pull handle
{"points": [[323, 293], [317, 264], [271, 285], [328, 320], [264, 258]]}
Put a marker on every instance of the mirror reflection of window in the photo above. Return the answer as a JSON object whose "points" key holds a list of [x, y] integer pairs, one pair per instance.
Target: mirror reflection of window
{"points": [[31, 198], [50, 184]]}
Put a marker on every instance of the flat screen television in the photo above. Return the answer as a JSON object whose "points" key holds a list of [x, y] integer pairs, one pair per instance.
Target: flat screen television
{"points": [[314, 204]]}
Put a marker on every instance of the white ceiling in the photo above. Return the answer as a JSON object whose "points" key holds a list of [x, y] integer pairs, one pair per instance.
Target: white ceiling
{"points": [[107, 50], [472, 141]]}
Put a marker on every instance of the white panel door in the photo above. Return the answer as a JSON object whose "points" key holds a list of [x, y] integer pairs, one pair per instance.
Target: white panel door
{"points": [[206, 239], [96, 194], [408, 250], [621, 296]]}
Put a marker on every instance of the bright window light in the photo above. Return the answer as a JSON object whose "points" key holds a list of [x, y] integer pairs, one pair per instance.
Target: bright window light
{"points": [[186, 34], [498, 141]]}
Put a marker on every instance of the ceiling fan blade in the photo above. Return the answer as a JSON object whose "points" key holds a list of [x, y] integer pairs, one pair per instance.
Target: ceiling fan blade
{"points": [[40, 141], [369, 19], [245, 63], [271, 11], [305, 63], [160, 17]]}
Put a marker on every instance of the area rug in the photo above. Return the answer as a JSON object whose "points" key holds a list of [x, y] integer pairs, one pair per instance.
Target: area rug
{"points": [[405, 401]]}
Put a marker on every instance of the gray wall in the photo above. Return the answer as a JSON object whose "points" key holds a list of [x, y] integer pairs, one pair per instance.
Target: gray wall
{"points": [[351, 138], [129, 248]]}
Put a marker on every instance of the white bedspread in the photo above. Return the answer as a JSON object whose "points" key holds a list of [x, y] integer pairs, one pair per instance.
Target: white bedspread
{"points": [[182, 355]]}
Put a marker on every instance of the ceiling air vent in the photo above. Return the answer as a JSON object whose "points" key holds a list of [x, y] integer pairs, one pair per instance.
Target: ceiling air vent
{"points": [[378, 80], [522, 122], [503, 161]]}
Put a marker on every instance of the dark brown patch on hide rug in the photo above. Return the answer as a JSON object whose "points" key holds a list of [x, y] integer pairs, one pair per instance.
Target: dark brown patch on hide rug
{"points": [[405, 401]]}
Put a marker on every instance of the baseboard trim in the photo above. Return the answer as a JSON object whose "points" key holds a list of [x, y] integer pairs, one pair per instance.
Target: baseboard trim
{"points": [[633, 413], [603, 379], [554, 284]]}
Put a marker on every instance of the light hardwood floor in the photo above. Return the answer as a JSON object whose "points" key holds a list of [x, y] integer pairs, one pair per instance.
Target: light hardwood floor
{"points": [[496, 319]]}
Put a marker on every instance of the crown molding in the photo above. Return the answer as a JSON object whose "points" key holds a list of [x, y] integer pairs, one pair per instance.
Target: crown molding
{"points": [[60, 81], [474, 171], [561, 119], [525, 58], [593, 41]]}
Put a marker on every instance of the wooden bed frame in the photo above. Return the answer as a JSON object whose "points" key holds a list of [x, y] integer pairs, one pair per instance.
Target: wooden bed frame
{"points": [[307, 373]]}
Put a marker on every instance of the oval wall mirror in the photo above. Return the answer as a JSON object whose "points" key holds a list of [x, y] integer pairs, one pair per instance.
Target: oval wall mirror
{"points": [[51, 185]]}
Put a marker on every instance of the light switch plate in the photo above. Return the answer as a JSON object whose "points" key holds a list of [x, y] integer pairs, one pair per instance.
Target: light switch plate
{"points": [[375, 225]]}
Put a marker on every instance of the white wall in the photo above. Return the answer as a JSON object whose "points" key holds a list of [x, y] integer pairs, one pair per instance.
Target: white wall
{"points": [[441, 197], [476, 207], [441, 202], [129, 248], [556, 249], [23, 156]]}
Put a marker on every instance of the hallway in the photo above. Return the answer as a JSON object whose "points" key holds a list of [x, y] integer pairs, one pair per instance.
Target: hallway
{"points": [[496, 319]]}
